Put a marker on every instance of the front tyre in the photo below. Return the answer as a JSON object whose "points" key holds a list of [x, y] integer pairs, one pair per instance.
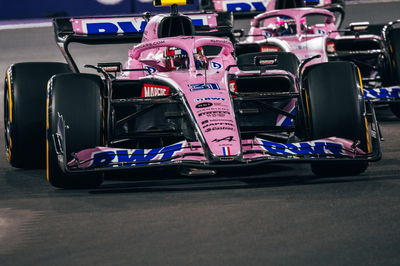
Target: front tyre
{"points": [[76, 97], [394, 51], [336, 108], [24, 111]]}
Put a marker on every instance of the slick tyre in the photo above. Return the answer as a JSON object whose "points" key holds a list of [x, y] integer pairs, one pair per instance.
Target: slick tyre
{"points": [[394, 51], [78, 99], [395, 108], [24, 111], [336, 107]]}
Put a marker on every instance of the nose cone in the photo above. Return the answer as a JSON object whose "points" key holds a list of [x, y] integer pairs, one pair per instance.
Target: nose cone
{"points": [[211, 105]]}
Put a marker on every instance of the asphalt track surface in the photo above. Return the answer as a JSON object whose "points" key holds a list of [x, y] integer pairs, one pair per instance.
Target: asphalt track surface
{"points": [[278, 216]]}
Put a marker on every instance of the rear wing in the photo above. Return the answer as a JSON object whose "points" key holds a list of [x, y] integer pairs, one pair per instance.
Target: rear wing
{"points": [[251, 8], [127, 29], [254, 7]]}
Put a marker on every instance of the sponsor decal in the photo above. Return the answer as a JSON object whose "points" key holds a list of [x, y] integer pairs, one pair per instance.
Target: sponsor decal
{"points": [[215, 114], [219, 124], [209, 99], [113, 26], [203, 86], [219, 128], [124, 25], [149, 44], [204, 105], [222, 120], [151, 90], [243, 6], [382, 93], [229, 138], [217, 106], [129, 157], [219, 120], [264, 62], [220, 41], [301, 46], [151, 69], [315, 148], [215, 65]]}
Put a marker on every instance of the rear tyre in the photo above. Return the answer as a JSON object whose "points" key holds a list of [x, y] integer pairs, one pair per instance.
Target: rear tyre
{"points": [[395, 108], [77, 97], [24, 111], [394, 51], [336, 108]]}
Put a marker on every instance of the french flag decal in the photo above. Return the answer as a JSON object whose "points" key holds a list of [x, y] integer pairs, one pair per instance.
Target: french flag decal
{"points": [[226, 151]]}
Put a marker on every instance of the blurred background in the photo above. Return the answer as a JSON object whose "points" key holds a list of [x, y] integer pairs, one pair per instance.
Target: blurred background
{"points": [[39, 9], [31, 9]]}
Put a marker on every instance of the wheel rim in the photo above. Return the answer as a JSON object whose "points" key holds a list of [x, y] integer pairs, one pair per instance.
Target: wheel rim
{"points": [[7, 122]]}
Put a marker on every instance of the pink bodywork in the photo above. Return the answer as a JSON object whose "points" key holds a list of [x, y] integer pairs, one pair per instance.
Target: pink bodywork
{"points": [[79, 25], [211, 107], [221, 114], [221, 5], [303, 44]]}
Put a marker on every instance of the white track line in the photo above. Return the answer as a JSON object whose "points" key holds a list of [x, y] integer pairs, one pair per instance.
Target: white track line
{"points": [[26, 26], [355, 2]]}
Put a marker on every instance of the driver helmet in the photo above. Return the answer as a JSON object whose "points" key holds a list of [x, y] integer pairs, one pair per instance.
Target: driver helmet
{"points": [[176, 59], [200, 58], [285, 26]]}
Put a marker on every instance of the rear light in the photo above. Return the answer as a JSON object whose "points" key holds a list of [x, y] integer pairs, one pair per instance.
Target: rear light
{"points": [[152, 90], [330, 47], [264, 49], [232, 86], [111, 69]]}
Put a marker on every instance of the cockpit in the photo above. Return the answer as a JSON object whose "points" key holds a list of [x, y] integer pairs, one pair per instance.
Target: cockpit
{"points": [[282, 25], [178, 59], [277, 26]]}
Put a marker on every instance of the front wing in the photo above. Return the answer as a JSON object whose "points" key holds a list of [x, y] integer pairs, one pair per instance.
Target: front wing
{"points": [[384, 94], [192, 154]]}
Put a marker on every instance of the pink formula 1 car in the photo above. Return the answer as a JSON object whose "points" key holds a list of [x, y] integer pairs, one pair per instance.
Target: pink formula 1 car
{"points": [[253, 7], [185, 101], [308, 32]]}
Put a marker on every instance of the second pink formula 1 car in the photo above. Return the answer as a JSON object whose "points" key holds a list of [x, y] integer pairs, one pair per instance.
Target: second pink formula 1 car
{"points": [[307, 32]]}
